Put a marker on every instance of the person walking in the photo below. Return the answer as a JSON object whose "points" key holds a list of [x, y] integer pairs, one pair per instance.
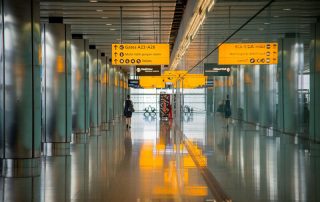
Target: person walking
{"points": [[227, 110], [128, 110]]}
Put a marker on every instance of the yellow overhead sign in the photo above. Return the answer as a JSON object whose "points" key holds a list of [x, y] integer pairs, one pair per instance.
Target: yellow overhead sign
{"points": [[189, 80], [194, 81], [151, 82], [248, 53], [140, 54]]}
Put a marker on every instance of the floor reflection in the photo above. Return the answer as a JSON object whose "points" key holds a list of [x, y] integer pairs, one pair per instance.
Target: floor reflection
{"points": [[157, 167], [146, 163], [254, 164]]}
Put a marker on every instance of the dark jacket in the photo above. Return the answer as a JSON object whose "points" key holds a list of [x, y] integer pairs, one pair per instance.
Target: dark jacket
{"points": [[227, 109], [126, 112]]}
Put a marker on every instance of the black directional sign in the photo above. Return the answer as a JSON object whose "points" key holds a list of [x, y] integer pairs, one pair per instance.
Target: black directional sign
{"points": [[145, 70], [133, 83], [212, 69], [209, 83]]}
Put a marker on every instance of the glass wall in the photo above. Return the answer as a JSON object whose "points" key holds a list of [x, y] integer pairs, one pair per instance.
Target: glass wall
{"points": [[283, 97], [194, 99]]}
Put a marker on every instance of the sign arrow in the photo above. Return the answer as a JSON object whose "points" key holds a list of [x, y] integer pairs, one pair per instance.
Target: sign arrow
{"points": [[115, 61], [115, 54], [115, 47]]}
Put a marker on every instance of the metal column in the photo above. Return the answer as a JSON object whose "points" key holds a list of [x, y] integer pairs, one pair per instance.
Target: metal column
{"points": [[20, 100], [104, 93], [80, 90], [267, 94], [251, 90], [110, 94], [57, 87], [290, 62], [95, 94], [315, 83]]}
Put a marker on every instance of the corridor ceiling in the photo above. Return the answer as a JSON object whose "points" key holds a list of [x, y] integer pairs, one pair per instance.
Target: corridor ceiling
{"points": [[100, 21]]}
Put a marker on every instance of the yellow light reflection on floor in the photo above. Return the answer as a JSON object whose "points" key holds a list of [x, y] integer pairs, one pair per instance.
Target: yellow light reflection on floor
{"points": [[188, 162], [196, 190], [162, 176], [148, 160]]}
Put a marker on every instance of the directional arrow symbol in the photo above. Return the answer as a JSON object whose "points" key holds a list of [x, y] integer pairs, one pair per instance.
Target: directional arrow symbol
{"points": [[115, 61], [115, 54], [115, 47]]}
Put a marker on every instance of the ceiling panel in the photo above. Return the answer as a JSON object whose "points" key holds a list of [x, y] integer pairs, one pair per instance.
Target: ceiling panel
{"points": [[100, 21]]}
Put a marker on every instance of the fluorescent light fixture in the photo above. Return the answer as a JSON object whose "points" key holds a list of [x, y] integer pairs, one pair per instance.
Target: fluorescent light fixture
{"points": [[93, 1], [210, 6], [276, 16], [197, 27], [99, 10], [108, 24], [287, 9], [104, 17], [112, 29], [195, 31], [202, 8], [267, 23]]}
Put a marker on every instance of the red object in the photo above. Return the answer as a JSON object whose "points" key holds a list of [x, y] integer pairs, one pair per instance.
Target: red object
{"points": [[170, 112]]}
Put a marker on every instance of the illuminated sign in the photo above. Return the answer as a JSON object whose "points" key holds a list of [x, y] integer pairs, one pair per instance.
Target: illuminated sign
{"points": [[170, 77], [164, 106], [248, 53], [148, 70], [209, 83], [140, 54], [133, 83], [211, 69]]}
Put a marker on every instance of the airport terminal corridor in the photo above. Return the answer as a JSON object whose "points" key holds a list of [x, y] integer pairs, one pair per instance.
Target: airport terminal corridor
{"points": [[159, 100]]}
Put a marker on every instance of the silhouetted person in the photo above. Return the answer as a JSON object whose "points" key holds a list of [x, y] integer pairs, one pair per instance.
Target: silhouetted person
{"points": [[128, 110], [227, 110]]}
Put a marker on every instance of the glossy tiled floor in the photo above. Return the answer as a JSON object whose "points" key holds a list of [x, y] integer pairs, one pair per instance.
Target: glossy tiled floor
{"points": [[146, 163], [252, 164]]}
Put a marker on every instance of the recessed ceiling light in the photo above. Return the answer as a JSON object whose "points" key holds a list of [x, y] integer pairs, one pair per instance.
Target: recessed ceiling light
{"points": [[93, 1], [99, 10], [108, 24], [112, 29], [287, 9]]}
